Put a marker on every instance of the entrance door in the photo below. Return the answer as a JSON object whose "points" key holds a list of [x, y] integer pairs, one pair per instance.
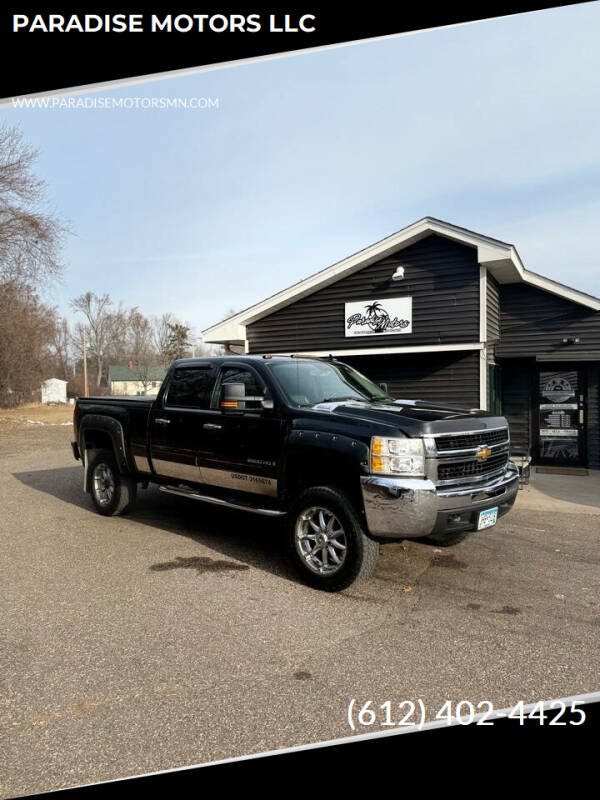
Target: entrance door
{"points": [[561, 417]]}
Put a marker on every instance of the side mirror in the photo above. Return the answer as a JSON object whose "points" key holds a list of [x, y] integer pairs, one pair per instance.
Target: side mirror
{"points": [[234, 399], [383, 386]]}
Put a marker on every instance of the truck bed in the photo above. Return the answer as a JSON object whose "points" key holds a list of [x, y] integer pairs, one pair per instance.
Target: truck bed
{"points": [[120, 399]]}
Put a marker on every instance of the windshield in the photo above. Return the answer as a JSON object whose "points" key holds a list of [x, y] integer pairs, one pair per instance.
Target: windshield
{"points": [[306, 383]]}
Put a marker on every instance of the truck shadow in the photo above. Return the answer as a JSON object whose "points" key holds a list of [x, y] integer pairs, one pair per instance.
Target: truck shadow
{"points": [[248, 538]]}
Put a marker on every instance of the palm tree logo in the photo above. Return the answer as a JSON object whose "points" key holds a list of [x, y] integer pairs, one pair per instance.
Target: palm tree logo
{"points": [[377, 317]]}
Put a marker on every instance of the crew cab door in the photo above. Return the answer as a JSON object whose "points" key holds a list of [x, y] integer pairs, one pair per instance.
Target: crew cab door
{"points": [[177, 422], [243, 445]]}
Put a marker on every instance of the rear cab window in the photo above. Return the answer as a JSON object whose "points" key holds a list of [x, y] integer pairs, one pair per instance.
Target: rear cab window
{"points": [[191, 387]]}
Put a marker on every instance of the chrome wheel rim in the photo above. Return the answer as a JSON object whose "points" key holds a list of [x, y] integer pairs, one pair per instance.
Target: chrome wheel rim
{"points": [[104, 484], [320, 540]]}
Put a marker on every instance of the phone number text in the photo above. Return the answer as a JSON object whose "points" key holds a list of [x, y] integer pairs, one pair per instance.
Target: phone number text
{"points": [[413, 713]]}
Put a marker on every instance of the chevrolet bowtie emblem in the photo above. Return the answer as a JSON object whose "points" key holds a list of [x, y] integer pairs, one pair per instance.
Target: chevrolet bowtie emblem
{"points": [[483, 453]]}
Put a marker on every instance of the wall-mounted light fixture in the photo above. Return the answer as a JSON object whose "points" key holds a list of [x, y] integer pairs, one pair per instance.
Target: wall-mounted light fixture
{"points": [[399, 274]]}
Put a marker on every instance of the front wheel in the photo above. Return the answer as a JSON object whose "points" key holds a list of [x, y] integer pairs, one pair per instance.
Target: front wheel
{"points": [[112, 493], [327, 541]]}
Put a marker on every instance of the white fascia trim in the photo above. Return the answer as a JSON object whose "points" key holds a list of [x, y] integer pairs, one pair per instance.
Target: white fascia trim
{"points": [[382, 351], [482, 303], [228, 331], [483, 379], [513, 261], [483, 399], [548, 285]]}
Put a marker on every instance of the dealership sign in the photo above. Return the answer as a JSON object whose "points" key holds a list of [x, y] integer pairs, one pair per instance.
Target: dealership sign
{"points": [[558, 390], [379, 317]]}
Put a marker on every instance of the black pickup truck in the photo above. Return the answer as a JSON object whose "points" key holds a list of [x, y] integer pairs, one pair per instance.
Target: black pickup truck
{"points": [[313, 441]]}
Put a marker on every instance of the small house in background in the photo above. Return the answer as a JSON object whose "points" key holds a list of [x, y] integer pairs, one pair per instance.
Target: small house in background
{"points": [[138, 380], [54, 390]]}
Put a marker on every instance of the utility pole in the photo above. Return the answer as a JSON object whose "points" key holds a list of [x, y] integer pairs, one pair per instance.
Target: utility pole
{"points": [[85, 378]]}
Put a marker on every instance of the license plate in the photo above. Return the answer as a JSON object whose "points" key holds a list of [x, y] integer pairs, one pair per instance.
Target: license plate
{"points": [[487, 518]]}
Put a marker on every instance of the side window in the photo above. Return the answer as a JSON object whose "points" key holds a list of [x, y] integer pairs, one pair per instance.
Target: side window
{"points": [[191, 387], [236, 375], [254, 386]]}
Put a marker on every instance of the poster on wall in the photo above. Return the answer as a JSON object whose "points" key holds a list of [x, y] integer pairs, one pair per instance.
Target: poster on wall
{"points": [[379, 317]]}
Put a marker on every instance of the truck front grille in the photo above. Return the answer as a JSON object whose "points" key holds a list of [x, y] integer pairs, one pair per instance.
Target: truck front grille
{"points": [[452, 458], [472, 468], [464, 441]]}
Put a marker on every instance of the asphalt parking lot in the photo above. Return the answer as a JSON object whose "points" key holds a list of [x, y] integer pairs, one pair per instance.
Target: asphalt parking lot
{"points": [[178, 635]]}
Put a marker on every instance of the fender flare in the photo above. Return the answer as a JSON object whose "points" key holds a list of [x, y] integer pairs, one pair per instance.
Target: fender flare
{"points": [[102, 424], [338, 447]]}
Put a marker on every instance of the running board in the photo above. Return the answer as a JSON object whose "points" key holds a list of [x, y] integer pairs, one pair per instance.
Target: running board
{"points": [[183, 492]]}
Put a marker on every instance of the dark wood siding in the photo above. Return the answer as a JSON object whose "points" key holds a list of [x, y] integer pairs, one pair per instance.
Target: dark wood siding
{"points": [[593, 417], [516, 382], [441, 276], [439, 377], [533, 322]]}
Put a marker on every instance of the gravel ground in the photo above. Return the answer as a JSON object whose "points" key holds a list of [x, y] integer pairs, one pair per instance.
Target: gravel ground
{"points": [[178, 635]]}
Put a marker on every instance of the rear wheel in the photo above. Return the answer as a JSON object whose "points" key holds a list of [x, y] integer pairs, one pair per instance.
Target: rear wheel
{"points": [[327, 541], [112, 493]]}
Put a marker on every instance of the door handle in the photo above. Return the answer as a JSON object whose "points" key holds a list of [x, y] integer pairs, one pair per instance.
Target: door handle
{"points": [[162, 421], [209, 426]]}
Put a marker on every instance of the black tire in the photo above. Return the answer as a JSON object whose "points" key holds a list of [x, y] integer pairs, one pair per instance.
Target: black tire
{"points": [[102, 469], [445, 539], [345, 539]]}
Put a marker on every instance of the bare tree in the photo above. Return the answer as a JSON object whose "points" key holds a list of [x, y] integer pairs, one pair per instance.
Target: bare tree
{"points": [[30, 240], [126, 336], [160, 336], [60, 348], [118, 346], [141, 346], [26, 327], [97, 329]]}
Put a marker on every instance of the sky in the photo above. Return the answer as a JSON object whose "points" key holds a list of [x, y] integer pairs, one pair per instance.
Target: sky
{"points": [[493, 126]]}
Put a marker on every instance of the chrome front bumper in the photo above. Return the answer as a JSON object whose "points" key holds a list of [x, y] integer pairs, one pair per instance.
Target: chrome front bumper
{"points": [[405, 508]]}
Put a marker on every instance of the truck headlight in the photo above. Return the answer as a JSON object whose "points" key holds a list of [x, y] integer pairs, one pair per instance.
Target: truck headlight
{"points": [[397, 456]]}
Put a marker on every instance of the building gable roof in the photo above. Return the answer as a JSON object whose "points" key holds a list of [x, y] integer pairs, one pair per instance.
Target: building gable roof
{"points": [[500, 258]]}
